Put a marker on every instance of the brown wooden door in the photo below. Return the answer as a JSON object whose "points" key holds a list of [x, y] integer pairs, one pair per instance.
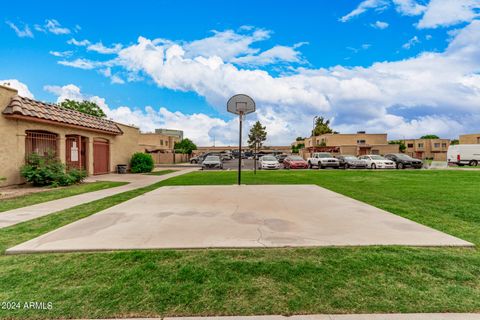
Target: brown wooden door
{"points": [[101, 156]]}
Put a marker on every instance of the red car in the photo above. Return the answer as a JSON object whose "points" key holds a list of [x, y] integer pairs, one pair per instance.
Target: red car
{"points": [[295, 162]]}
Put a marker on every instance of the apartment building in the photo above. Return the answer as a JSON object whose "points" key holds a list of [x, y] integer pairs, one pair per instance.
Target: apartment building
{"points": [[157, 142], [360, 143], [435, 149], [171, 133], [161, 145], [470, 138]]}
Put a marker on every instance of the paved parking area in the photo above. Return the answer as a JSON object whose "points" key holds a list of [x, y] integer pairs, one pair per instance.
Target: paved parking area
{"points": [[247, 164], [238, 216]]}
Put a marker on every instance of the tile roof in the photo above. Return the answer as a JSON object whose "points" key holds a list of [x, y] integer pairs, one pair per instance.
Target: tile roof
{"points": [[25, 107]]}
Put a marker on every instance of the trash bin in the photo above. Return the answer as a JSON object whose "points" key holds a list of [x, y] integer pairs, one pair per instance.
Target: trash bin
{"points": [[121, 168]]}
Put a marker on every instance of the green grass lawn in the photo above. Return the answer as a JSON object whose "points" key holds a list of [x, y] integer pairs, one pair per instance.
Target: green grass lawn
{"points": [[264, 281], [53, 194], [160, 172]]}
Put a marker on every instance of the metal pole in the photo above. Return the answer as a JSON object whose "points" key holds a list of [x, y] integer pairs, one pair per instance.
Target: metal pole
{"points": [[255, 158], [240, 150]]}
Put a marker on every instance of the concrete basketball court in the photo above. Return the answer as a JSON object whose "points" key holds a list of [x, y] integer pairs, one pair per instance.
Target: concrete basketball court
{"points": [[237, 217]]}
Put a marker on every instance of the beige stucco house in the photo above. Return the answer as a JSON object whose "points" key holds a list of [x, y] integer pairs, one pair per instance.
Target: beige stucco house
{"points": [[94, 144]]}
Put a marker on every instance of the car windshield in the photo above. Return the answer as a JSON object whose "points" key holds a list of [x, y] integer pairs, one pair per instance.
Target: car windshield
{"points": [[350, 158], [404, 157], [295, 158], [324, 155], [377, 158], [212, 158], [268, 158]]}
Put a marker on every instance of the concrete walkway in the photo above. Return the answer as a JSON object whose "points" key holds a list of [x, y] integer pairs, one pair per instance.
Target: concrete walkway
{"points": [[391, 316], [12, 217]]}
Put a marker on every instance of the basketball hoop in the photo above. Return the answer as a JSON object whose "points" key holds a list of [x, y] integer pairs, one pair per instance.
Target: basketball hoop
{"points": [[242, 105]]}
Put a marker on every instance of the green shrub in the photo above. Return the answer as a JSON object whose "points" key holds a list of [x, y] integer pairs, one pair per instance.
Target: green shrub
{"points": [[49, 171], [141, 162]]}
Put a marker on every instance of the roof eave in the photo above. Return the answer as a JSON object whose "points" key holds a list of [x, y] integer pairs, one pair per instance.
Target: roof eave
{"points": [[61, 124]]}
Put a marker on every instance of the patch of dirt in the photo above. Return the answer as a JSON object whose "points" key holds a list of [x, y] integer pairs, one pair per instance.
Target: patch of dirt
{"points": [[20, 190]]}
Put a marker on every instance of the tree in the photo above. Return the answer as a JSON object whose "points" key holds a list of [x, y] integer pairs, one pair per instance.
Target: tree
{"points": [[298, 147], [430, 136], [401, 144], [257, 135], [454, 142], [299, 139], [322, 126], [87, 107], [186, 146]]}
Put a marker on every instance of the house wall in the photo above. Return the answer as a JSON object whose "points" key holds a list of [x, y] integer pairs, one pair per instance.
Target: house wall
{"points": [[470, 138], [12, 142]]}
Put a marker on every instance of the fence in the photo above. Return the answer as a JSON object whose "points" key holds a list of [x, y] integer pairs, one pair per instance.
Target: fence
{"points": [[168, 158]]}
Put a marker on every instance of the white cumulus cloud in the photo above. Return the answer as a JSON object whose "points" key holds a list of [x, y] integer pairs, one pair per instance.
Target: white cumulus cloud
{"points": [[196, 126], [398, 97], [21, 87], [441, 13]]}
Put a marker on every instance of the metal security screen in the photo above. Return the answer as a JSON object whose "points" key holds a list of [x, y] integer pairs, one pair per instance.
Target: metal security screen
{"points": [[41, 143]]}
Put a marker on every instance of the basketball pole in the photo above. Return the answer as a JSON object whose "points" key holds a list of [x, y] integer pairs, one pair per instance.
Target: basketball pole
{"points": [[240, 149]]}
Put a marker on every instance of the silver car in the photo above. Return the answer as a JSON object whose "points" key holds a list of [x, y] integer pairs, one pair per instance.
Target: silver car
{"points": [[212, 162], [348, 161]]}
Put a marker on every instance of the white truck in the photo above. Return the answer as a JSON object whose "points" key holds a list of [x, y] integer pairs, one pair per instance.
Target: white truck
{"points": [[464, 154], [322, 160]]}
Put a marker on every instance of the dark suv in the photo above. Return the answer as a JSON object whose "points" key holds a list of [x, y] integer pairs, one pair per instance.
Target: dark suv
{"points": [[404, 161]]}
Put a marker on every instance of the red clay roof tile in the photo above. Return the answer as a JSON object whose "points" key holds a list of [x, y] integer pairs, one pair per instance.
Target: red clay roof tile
{"points": [[39, 110]]}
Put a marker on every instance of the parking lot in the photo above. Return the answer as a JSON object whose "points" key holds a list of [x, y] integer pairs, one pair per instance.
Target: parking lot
{"points": [[247, 164]]}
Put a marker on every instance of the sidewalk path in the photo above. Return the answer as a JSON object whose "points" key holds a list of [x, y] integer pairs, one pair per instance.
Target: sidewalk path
{"points": [[12, 217], [389, 316]]}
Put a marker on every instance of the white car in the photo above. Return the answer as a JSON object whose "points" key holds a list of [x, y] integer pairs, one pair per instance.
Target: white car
{"points": [[269, 162], [322, 160], [378, 162]]}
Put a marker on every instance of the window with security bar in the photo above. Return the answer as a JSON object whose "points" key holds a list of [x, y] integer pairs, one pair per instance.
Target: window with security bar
{"points": [[43, 143]]}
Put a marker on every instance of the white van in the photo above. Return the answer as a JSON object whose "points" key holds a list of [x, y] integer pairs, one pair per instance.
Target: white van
{"points": [[464, 154]]}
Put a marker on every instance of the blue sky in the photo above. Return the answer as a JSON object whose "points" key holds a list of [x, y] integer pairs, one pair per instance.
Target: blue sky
{"points": [[404, 67]]}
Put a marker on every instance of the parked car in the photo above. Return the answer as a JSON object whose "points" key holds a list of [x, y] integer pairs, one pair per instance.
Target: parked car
{"points": [[349, 161], [403, 161], [269, 162], [226, 155], [235, 154], [201, 158], [248, 155], [322, 160], [464, 154], [196, 159], [212, 162], [378, 162], [281, 157], [294, 162]]}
